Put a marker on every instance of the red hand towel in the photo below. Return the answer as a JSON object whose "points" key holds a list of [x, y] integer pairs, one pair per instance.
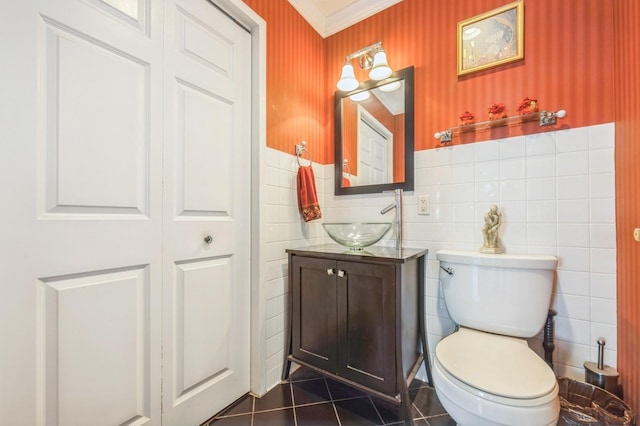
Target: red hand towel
{"points": [[346, 182], [307, 196]]}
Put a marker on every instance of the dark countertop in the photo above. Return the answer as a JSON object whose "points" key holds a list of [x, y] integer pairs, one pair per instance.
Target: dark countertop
{"points": [[377, 253]]}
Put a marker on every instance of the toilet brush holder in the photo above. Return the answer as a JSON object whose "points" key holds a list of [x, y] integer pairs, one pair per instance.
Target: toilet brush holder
{"points": [[601, 375]]}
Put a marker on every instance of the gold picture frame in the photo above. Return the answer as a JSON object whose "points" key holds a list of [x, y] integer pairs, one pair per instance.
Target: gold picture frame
{"points": [[491, 39]]}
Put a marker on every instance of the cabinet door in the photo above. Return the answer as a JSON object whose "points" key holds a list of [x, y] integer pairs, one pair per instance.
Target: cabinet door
{"points": [[314, 327], [366, 325]]}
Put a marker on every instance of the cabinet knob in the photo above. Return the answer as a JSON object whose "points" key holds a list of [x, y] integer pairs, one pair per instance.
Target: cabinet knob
{"points": [[330, 272], [208, 239], [341, 273]]}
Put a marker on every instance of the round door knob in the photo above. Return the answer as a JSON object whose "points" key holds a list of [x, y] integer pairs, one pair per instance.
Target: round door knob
{"points": [[208, 239]]}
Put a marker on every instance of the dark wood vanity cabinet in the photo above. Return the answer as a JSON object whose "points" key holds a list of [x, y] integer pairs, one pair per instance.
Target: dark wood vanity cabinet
{"points": [[343, 319], [356, 316]]}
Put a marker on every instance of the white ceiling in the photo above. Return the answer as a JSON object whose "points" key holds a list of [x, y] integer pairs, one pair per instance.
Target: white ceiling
{"points": [[328, 17]]}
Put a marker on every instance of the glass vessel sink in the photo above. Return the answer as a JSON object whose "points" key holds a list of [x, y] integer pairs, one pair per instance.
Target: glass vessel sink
{"points": [[356, 235]]}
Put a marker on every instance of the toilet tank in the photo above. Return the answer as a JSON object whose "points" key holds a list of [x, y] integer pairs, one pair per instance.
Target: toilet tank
{"points": [[499, 293]]}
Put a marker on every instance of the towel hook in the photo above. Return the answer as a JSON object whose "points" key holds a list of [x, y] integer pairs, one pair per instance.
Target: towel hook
{"points": [[300, 149], [345, 168]]}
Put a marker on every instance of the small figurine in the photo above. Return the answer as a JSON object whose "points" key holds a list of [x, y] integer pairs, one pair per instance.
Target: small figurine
{"points": [[466, 119], [497, 111], [492, 222], [527, 106]]}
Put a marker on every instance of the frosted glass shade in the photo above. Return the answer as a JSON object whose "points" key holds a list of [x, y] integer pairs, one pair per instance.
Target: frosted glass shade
{"points": [[391, 86], [381, 68], [360, 96], [348, 79]]}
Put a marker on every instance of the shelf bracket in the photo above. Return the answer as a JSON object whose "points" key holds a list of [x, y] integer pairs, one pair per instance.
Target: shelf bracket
{"points": [[444, 136], [548, 118]]}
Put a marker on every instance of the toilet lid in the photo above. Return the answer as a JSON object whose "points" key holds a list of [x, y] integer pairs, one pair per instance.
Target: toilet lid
{"points": [[499, 365]]}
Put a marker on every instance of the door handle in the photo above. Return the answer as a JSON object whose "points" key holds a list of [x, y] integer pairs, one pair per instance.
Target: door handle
{"points": [[208, 239]]}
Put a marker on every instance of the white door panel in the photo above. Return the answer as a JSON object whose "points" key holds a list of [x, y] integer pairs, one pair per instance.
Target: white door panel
{"points": [[203, 287], [201, 162], [105, 102], [80, 180], [97, 133], [201, 42], [375, 154], [371, 155], [79, 317], [207, 194]]}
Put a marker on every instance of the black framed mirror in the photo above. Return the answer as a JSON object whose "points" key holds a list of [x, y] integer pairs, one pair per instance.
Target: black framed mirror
{"points": [[374, 136]]}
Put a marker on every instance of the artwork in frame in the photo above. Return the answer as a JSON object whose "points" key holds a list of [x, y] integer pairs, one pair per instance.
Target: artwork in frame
{"points": [[492, 38]]}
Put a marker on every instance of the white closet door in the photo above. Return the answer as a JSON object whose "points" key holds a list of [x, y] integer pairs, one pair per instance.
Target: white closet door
{"points": [[206, 257], [80, 184], [373, 158], [91, 91]]}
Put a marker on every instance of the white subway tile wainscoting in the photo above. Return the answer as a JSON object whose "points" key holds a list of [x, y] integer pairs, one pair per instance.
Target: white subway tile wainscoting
{"points": [[556, 191]]}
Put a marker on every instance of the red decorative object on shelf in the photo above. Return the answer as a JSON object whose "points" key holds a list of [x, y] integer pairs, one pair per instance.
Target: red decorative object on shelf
{"points": [[466, 118], [527, 106], [497, 111]]}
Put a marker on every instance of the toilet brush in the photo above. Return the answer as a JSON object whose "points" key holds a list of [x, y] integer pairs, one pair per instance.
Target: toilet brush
{"points": [[601, 375]]}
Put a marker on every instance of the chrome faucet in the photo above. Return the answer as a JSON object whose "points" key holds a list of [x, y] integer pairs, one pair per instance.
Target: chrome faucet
{"points": [[398, 222]]}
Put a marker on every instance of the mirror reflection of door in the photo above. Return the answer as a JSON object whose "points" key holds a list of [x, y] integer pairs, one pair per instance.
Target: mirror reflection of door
{"points": [[373, 137], [375, 150], [371, 165]]}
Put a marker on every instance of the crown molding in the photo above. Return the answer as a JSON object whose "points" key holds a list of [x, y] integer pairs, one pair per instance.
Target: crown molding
{"points": [[352, 13]]}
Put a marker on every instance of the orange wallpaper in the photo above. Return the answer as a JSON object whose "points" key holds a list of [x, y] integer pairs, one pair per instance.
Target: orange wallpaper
{"points": [[350, 134], [579, 56], [627, 93], [302, 68], [423, 34], [296, 95]]}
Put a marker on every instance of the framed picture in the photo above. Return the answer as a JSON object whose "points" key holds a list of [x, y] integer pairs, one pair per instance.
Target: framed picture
{"points": [[492, 38]]}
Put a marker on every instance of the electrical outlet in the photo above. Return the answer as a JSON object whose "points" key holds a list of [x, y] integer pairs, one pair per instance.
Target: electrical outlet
{"points": [[424, 204]]}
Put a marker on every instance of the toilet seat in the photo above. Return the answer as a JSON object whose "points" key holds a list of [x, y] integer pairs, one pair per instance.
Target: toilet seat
{"points": [[472, 407], [502, 366]]}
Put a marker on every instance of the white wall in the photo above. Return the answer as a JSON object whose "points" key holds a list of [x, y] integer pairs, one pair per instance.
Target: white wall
{"points": [[556, 191], [283, 228]]}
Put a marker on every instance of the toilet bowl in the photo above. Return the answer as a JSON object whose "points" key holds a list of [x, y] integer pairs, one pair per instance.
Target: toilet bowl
{"points": [[483, 379], [485, 373]]}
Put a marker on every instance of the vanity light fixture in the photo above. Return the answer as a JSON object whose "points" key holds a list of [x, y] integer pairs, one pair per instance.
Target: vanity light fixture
{"points": [[371, 57]]}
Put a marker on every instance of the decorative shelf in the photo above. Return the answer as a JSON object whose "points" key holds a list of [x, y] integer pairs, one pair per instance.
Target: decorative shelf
{"points": [[545, 118]]}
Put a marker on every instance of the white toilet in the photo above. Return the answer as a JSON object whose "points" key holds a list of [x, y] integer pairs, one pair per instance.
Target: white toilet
{"points": [[485, 373]]}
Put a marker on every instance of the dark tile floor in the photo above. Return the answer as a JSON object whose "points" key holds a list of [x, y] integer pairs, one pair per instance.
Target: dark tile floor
{"points": [[312, 399]]}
